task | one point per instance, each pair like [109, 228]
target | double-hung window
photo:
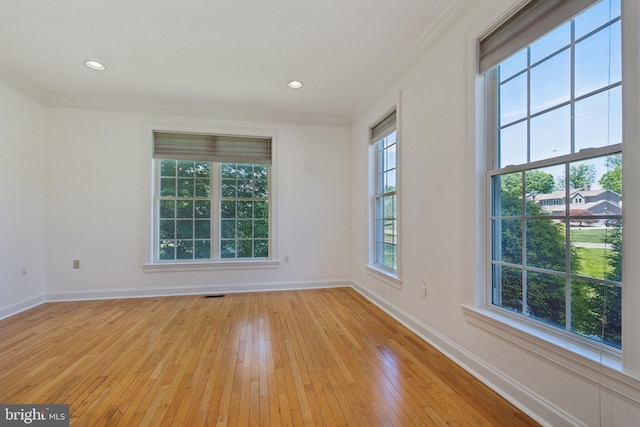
[385, 199]
[555, 167]
[212, 198]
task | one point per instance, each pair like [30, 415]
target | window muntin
[558, 142]
[385, 203]
[187, 226]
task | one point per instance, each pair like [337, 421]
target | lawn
[588, 235]
[592, 262]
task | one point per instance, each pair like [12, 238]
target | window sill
[384, 276]
[207, 266]
[600, 365]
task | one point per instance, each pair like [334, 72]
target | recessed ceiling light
[295, 84]
[95, 65]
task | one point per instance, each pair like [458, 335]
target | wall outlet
[76, 263]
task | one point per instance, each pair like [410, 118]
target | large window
[207, 206]
[385, 201]
[555, 178]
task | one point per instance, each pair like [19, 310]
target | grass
[592, 262]
[595, 235]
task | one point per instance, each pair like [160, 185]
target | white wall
[98, 205]
[439, 219]
[22, 200]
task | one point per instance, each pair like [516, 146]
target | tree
[545, 249]
[580, 176]
[612, 180]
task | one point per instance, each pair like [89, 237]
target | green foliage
[580, 175]
[546, 249]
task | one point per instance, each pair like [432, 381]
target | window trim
[576, 354]
[373, 269]
[150, 264]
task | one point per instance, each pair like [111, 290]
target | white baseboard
[25, 304]
[538, 408]
[117, 293]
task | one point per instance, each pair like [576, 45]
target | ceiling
[213, 54]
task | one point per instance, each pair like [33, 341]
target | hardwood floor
[313, 357]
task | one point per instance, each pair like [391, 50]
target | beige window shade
[214, 148]
[384, 127]
[534, 20]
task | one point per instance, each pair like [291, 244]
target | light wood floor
[314, 357]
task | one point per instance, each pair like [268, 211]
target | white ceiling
[212, 54]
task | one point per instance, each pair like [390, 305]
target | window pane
[184, 209]
[167, 187]
[598, 120]
[261, 248]
[245, 248]
[167, 168]
[167, 229]
[589, 302]
[186, 168]
[507, 191]
[261, 209]
[541, 191]
[513, 65]
[227, 209]
[228, 228]
[184, 229]
[507, 287]
[186, 187]
[260, 189]
[245, 188]
[245, 209]
[546, 247]
[390, 256]
[227, 249]
[203, 188]
[184, 249]
[551, 134]
[260, 229]
[167, 208]
[245, 229]
[597, 251]
[599, 60]
[203, 170]
[166, 250]
[507, 244]
[546, 299]
[229, 188]
[202, 229]
[513, 145]
[596, 16]
[202, 249]
[260, 171]
[551, 82]
[513, 100]
[554, 41]
[202, 208]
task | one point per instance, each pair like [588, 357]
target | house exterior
[598, 202]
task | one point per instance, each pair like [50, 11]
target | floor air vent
[214, 296]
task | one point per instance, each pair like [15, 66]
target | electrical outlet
[76, 264]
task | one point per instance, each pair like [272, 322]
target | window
[212, 198]
[557, 129]
[385, 200]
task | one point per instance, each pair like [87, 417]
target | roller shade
[384, 127]
[534, 20]
[214, 148]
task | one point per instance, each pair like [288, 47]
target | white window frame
[383, 273]
[618, 374]
[152, 265]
